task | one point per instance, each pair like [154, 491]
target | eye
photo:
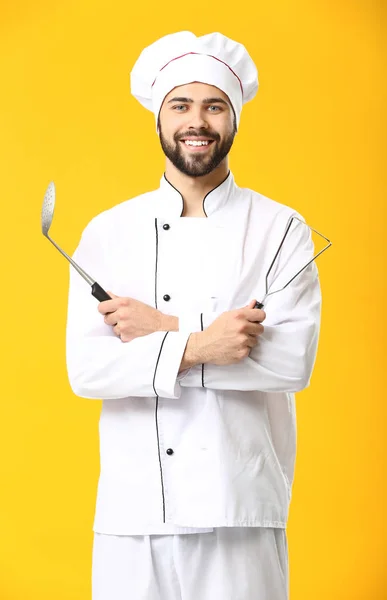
[177, 107]
[217, 108]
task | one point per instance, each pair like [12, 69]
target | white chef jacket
[213, 446]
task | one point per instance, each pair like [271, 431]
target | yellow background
[314, 138]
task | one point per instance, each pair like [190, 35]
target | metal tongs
[261, 304]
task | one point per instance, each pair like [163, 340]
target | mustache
[210, 135]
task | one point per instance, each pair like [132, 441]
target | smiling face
[197, 128]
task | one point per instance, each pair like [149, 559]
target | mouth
[196, 144]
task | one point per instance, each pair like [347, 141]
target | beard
[195, 165]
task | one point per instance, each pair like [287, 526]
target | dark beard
[196, 165]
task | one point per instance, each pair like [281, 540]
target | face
[197, 128]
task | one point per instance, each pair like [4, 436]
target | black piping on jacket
[201, 325]
[204, 199]
[162, 343]
[154, 378]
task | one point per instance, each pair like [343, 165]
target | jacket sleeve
[283, 360]
[99, 365]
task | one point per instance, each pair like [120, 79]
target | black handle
[99, 292]
[258, 305]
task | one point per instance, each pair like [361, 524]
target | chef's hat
[180, 58]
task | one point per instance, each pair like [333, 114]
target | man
[197, 429]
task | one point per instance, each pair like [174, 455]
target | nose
[197, 119]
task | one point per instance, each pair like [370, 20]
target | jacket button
[169, 451]
[167, 297]
[166, 226]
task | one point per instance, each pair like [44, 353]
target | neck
[194, 189]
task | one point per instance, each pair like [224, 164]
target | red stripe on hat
[202, 54]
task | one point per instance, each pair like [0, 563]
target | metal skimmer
[47, 216]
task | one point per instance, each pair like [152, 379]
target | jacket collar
[170, 202]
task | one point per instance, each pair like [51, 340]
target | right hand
[230, 338]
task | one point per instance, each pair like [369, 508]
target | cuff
[166, 379]
[190, 322]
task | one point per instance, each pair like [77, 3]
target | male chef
[198, 424]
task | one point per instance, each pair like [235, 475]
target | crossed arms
[161, 361]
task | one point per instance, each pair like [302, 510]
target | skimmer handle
[99, 292]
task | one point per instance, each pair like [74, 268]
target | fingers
[251, 304]
[254, 328]
[252, 341]
[109, 306]
[111, 318]
[255, 314]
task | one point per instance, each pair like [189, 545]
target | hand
[230, 338]
[130, 318]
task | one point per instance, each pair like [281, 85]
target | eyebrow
[205, 101]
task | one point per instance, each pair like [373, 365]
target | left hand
[130, 318]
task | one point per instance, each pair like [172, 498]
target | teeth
[196, 143]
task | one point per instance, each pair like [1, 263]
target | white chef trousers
[230, 563]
